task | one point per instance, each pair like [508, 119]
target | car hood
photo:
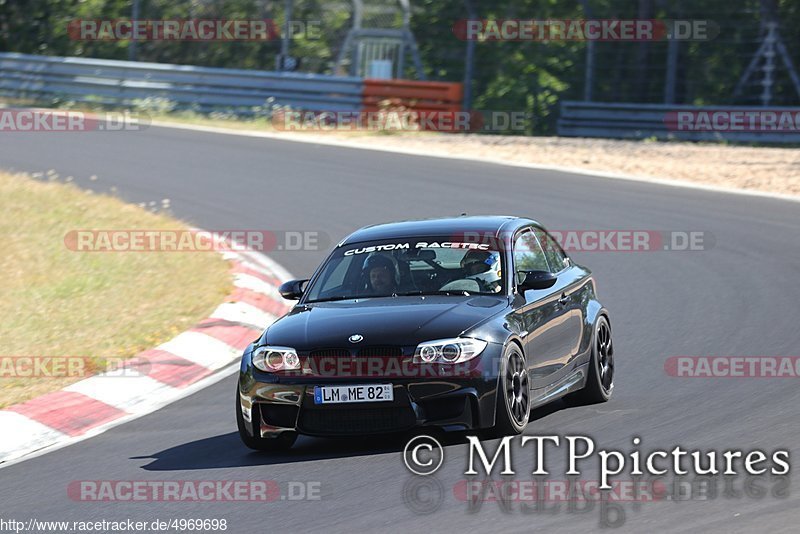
[392, 321]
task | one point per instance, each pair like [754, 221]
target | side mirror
[292, 290]
[537, 280]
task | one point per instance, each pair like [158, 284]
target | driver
[483, 267]
[382, 274]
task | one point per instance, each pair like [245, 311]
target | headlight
[273, 359]
[454, 350]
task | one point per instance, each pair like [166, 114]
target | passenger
[484, 268]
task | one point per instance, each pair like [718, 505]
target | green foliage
[530, 76]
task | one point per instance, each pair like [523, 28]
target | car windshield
[418, 266]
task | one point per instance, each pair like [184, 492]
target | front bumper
[272, 403]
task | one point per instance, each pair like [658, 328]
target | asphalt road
[739, 297]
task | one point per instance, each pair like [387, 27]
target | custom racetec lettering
[421, 244]
[448, 244]
[377, 248]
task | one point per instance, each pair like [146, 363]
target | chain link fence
[752, 58]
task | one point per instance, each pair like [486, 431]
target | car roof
[494, 224]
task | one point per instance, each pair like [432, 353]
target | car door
[537, 314]
[570, 288]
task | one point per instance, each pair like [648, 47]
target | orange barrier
[411, 94]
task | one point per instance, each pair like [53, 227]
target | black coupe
[462, 323]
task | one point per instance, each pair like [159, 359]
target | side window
[552, 250]
[528, 255]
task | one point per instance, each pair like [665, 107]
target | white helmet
[483, 267]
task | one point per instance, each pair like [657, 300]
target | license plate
[343, 394]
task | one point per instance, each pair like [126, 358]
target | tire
[283, 442]
[600, 380]
[513, 404]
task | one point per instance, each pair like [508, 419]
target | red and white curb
[191, 361]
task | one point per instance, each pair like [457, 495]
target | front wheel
[514, 395]
[600, 380]
[283, 442]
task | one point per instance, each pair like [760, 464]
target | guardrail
[642, 121]
[202, 88]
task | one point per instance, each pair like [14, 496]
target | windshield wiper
[451, 292]
[331, 299]
[352, 297]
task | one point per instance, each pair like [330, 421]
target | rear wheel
[600, 380]
[283, 442]
[514, 395]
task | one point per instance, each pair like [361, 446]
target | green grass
[96, 305]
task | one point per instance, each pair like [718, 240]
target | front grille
[357, 420]
[380, 352]
[330, 353]
[364, 352]
[345, 363]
